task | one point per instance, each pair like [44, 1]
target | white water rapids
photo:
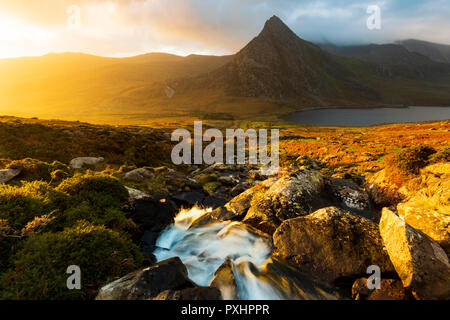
[204, 248]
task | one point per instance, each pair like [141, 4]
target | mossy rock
[211, 187]
[204, 178]
[94, 198]
[32, 169]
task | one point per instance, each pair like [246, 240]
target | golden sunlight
[19, 38]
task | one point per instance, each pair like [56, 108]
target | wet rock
[225, 281]
[147, 283]
[191, 183]
[293, 195]
[352, 197]
[135, 194]
[154, 213]
[237, 190]
[8, 174]
[390, 289]
[149, 258]
[149, 238]
[331, 244]
[191, 294]
[420, 262]
[188, 199]
[214, 202]
[139, 175]
[79, 163]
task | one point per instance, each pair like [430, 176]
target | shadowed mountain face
[394, 60]
[277, 64]
[434, 51]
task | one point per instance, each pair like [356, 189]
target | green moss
[19, 205]
[89, 187]
[211, 187]
[32, 169]
[204, 178]
[94, 198]
[40, 267]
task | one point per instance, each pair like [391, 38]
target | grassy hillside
[80, 86]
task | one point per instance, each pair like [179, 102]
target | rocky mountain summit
[278, 64]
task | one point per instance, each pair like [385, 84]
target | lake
[368, 117]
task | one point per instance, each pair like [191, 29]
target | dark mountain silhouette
[394, 60]
[279, 65]
[434, 51]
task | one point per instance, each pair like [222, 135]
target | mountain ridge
[277, 72]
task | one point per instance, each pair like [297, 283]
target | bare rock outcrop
[420, 262]
[331, 244]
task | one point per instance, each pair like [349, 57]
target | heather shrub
[94, 198]
[33, 169]
[442, 155]
[39, 268]
[413, 159]
[20, 205]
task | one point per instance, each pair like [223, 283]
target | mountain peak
[275, 25]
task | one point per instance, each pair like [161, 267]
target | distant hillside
[76, 84]
[275, 73]
[434, 51]
[278, 68]
[394, 60]
[278, 65]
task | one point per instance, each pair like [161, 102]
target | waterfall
[203, 248]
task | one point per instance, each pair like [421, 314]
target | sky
[119, 28]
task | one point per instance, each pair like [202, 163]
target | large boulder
[225, 281]
[352, 197]
[188, 199]
[79, 163]
[139, 175]
[8, 174]
[430, 221]
[153, 213]
[331, 244]
[427, 207]
[239, 205]
[148, 283]
[390, 289]
[293, 195]
[420, 262]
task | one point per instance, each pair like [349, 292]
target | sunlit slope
[73, 83]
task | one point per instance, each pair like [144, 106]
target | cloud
[127, 27]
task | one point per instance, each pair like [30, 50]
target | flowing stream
[203, 248]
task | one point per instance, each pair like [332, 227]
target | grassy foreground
[51, 214]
